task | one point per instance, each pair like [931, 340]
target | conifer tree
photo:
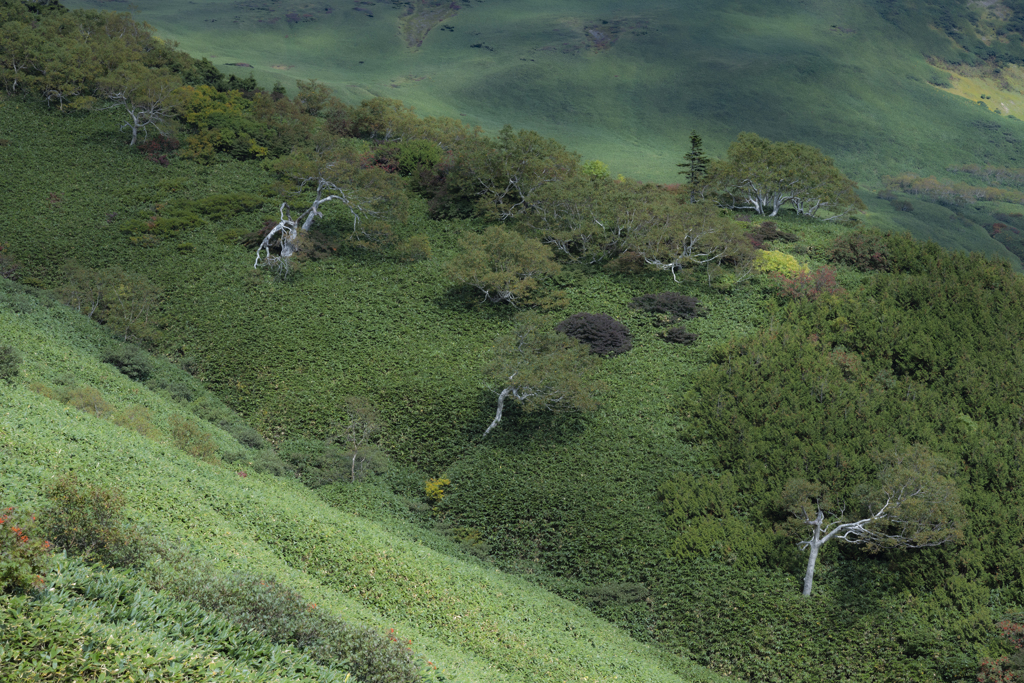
[695, 166]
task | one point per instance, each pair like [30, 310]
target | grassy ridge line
[482, 624]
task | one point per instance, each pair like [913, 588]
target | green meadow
[833, 74]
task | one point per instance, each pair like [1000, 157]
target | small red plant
[156, 150]
[1001, 669]
[24, 558]
[993, 671]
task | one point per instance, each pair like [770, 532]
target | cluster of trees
[764, 177]
[78, 60]
[366, 157]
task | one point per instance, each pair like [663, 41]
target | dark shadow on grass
[461, 298]
[519, 428]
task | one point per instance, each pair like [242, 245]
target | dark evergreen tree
[695, 166]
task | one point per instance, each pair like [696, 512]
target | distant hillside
[626, 84]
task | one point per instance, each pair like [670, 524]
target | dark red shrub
[862, 250]
[603, 333]
[808, 285]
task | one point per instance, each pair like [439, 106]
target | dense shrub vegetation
[677, 306]
[652, 487]
[602, 333]
[285, 617]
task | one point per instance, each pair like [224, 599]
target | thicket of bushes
[917, 345]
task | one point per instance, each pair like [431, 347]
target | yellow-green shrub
[435, 488]
[777, 262]
[190, 437]
[137, 418]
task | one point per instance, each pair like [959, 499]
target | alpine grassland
[304, 387]
[462, 619]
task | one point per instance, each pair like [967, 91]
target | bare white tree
[286, 234]
[914, 505]
[335, 173]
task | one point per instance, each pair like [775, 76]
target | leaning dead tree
[331, 171]
[287, 234]
[913, 505]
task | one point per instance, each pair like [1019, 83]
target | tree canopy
[764, 176]
[911, 503]
[505, 266]
[540, 369]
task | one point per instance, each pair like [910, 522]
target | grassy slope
[471, 620]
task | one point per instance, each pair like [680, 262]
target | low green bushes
[285, 617]
[10, 363]
[94, 625]
[89, 520]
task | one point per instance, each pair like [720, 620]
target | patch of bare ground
[600, 35]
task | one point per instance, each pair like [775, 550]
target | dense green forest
[301, 389]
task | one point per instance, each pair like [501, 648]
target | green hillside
[837, 75]
[361, 561]
[303, 427]
[627, 85]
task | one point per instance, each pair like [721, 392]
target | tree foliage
[124, 301]
[695, 165]
[331, 171]
[540, 369]
[359, 436]
[689, 235]
[764, 176]
[64, 56]
[912, 503]
[148, 98]
[502, 264]
[509, 171]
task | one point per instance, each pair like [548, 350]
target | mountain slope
[474, 622]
